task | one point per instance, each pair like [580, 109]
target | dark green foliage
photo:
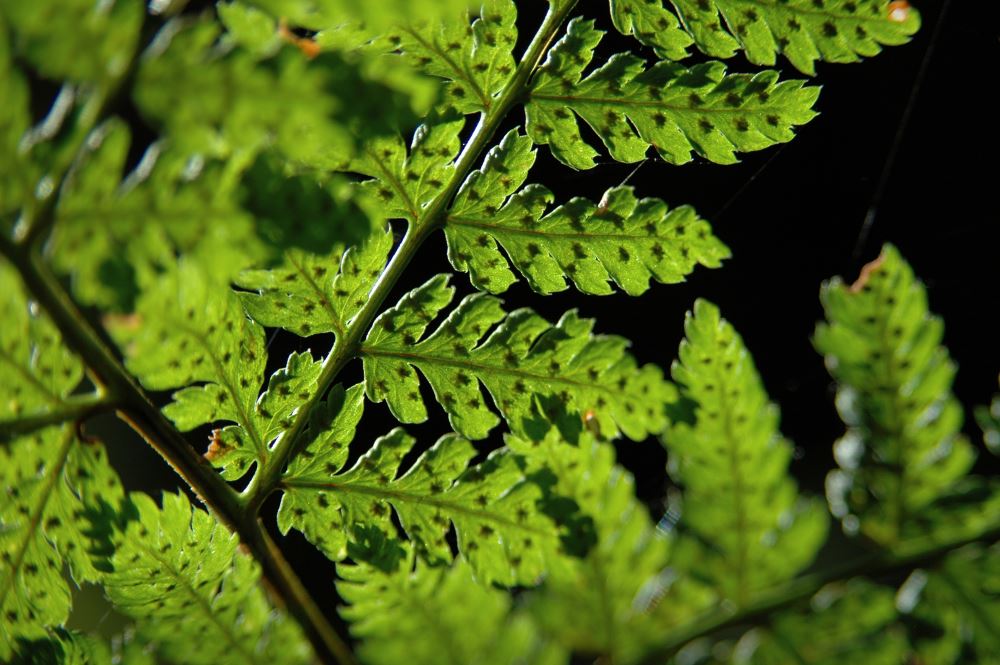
[206, 177]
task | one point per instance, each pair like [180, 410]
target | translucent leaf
[622, 239]
[37, 372]
[500, 531]
[424, 615]
[312, 293]
[524, 355]
[989, 420]
[179, 572]
[192, 330]
[62, 647]
[116, 232]
[476, 62]
[903, 448]
[653, 25]
[319, 14]
[77, 40]
[674, 109]
[16, 177]
[223, 102]
[804, 31]
[956, 608]
[405, 182]
[58, 497]
[847, 623]
[600, 603]
[748, 527]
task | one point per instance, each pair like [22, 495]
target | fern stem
[144, 417]
[905, 557]
[348, 345]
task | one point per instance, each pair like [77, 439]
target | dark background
[793, 217]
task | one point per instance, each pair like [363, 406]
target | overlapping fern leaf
[500, 531]
[515, 356]
[180, 572]
[747, 527]
[904, 448]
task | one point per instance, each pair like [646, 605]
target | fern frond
[322, 14]
[846, 623]
[653, 25]
[751, 529]
[191, 330]
[904, 448]
[601, 603]
[58, 497]
[674, 109]
[804, 31]
[500, 531]
[171, 203]
[623, 239]
[425, 615]
[475, 61]
[311, 293]
[38, 372]
[523, 356]
[73, 40]
[179, 573]
[405, 182]
[955, 619]
[17, 174]
[63, 647]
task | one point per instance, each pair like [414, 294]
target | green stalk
[347, 346]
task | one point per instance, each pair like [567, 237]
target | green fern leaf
[749, 528]
[404, 183]
[179, 572]
[524, 356]
[847, 623]
[674, 109]
[601, 603]
[419, 614]
[653, 25]
[171, 203]
[623, 239]
[191, 330]
[904, 448]
[316, 293]
[75, 40]
[17, 175]
[802, 30]
[500, 531]
[57, 499]
[954, 619]
[321, 14]
[63, 647]
[476, 63]
[38, 373]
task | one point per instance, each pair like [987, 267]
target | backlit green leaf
[653, 25]
[804, 31]
[748, 528]
[674, 109]
[622, 239]
[515, 356]
[904, 447]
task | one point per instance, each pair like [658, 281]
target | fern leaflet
[500, 531]
[179, 571]
[653, 25]
[802, 30]
[904, 448]
[750, 529]
[623, 239]
[669, 107]
[524, 356]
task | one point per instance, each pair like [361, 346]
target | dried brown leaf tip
[899, 11]
[866, 273]
[216, 447]
[307, 45]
